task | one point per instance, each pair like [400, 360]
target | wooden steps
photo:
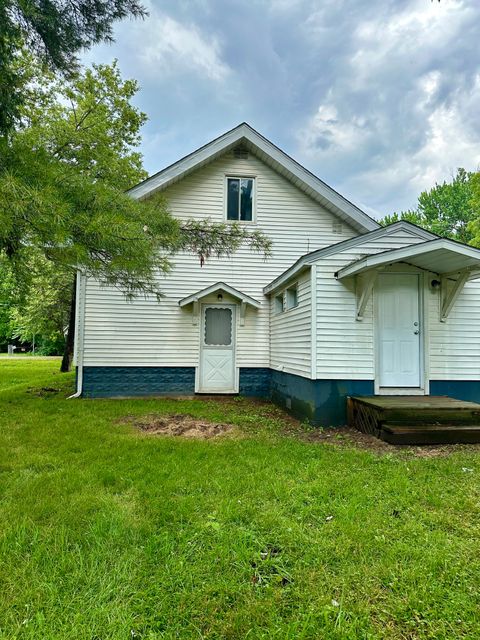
[416, 419]
[430, 434]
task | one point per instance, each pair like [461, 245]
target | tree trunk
[70, 339]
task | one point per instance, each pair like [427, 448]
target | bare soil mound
[184, 426]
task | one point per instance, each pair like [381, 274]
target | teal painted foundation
[115, 382]
[322, 402]
[461, 389]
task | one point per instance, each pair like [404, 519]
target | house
[343, 307]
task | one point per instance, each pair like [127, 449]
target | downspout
[79, 333]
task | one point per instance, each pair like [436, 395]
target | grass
[106, 533]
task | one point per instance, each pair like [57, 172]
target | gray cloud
[380, 99]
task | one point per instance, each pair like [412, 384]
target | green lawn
[109, 533]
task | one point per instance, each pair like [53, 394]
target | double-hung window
[240, 193]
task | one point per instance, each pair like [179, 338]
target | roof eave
[410, 253]
[310, 258]
[219, 286]
[303, 178]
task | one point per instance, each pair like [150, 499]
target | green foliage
[7, 292]
[110, 533]
[75, 221]
[87, 122]
[208, 240]
[446, 209]
[50, 346]
[42, 312]
[61, 187]
[34, 304]
[474, 225]
[55, 32]
[63, 173]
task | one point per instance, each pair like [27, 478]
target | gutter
[79, 332]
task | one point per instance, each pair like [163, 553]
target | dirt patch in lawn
[348, 437]
[180, 425]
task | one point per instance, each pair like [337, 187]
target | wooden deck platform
[415, 419]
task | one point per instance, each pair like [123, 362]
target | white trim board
[220, 286]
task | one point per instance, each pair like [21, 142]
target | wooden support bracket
[363, 296]
[243, 309]
[195, 312]
[448, 298]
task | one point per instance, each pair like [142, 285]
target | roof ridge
[303, 178]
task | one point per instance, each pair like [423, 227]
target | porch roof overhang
[441, 256]
[220, 287]
[453, 262]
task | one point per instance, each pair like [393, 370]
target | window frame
[288, 306]
[279, 297]
[229, 176]
[283, 297]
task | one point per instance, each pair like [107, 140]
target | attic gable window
[240, 199]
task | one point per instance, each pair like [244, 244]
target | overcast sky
[379, 98]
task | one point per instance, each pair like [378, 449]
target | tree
[446, 209]
[474, 225]
[7, 292]
[55, 31]
[40, 312]
[64, 169]
[89, 124]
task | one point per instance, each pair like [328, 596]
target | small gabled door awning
[454, 262]
[217, 288]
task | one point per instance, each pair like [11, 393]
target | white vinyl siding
[345, 347]
[455, 344]
[290, 336]
[148, 333]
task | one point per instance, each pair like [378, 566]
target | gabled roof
[440, 256]
[245, 136]
[219, 287]
[309, 258]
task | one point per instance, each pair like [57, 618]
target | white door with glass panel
[398, 320]
[217, 349]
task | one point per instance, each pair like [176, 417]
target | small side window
[292, 297]
[278, 304]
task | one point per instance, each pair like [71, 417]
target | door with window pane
[217, 349]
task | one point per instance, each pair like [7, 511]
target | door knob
[416, 332]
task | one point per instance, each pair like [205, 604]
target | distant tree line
[450, 209]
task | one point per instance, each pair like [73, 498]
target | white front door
[398, 318]
[217, 349]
